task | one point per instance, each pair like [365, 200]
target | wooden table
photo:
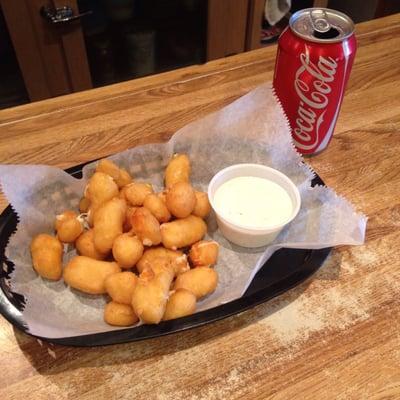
[337, 336]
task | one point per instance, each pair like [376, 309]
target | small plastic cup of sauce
[253, 203]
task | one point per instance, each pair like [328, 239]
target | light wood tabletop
[336, 336]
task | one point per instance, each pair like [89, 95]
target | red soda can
[313, 64]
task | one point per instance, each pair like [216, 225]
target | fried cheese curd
[144, 249]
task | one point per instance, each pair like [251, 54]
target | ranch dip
[253, 202]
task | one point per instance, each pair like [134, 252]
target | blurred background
[52, 47]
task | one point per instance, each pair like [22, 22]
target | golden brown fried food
[124, 178]
[181, 199]
[107, 223]
[108, 167]
[46, 251]
[68, 226]
[182, 232]
[122, 193]
[88, 275]
[151, 294]
[204, 253]
[163, 196]
[119, 314]
[100, 188]
[157, 207]
[178, 170]
[121, 176]
[127, 227]
[127, 250]
[146, 227]
[181, 303]
[85, 246]
[61, 218]
[200, 281]
[120, 286]
[84, 205]
[203, 206]
[136, 192]
[125, 216]
[174, 257]
[160, 263]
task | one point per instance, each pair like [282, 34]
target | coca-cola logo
[312, 85]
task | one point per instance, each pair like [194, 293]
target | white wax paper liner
[251, 129]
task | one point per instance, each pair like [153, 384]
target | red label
[309, 81]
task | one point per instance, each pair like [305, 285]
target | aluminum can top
[321, 25]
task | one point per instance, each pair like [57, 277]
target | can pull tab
[322, 28]
[319, 21]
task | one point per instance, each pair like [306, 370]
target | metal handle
[60, 15]
[319, 20]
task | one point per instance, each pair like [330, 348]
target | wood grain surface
[337, 336]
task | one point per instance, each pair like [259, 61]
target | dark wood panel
[23, 36]
[386, 7]
[235, 28]
[51, 51]
[215, 41]
[255, 18]
[226, 32]
[52, 59]
[75, 51]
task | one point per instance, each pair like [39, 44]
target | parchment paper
[251, 129]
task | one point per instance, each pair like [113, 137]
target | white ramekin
[243, 235]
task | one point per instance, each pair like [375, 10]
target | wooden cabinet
[52, 59]
[227, 25]
[117, 40]
[255, 17]
[60, 58]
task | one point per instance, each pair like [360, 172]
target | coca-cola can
[313, 64]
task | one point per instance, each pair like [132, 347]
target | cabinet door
[128, 39]
[52, 57]
[256, 15]
[74, 50]
[226, 32]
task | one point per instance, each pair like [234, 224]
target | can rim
[296, 15]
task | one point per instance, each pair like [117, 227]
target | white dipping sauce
[253, 202]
